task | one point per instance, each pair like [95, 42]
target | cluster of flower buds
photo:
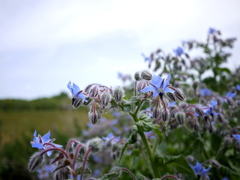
[66, 159]
[155, 87]
[97, 97]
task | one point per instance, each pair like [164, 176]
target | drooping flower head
[211, 106]
[158, 86]
[199, 170]
[75, 90]
[179, 51]
[44, 142]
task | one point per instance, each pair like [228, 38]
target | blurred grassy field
[16, 124]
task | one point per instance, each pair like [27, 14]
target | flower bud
[195, 85]
[199, 110]
[94, 116]
[114, 147]
[210, 129]
[171, 96]
[228, 141]
[215, 163]
[238, 147]
[173, 124]
[141, 85]
[82, 151]
[219, 101]
[113, 155]
[95, 144]
[156, 111]
[183, 105]
[238, 103]
[196, 126]
[76, 102]
[35, 161]
[165, 115]
[179, 94]
[173, 111]
[62, 173]
[94, 91]
[190, 159]
[220, 117]
[118, 94]
[137, 76]
[105, 99]
[87, 89]
[180, 117]
[230, 101]
[146, 75]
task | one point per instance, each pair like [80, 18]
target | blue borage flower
[179, 51]
[199, 170]
[171, 104]
[205, 92]
[237, 137]
[238, 87]
[111, 137]
[211, 30]
[44, 172]
[43, 142]
[209, 110]
[158, 86]
[231, 95]
[75, 90]
[149, 134]
[146, 58]
[225, 178]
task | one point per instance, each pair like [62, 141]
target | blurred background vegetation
[19, 119]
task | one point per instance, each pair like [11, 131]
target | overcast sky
[44, 44]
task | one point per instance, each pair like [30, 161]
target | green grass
[15, 124]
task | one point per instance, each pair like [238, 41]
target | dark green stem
[145, 142]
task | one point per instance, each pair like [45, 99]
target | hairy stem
[145, 142]
[84, 162]
[76, 154]
[168, 176]
[129, 172]
[69, 144]
[55, 149]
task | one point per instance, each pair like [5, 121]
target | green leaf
[144, 117]
[157, 131]
[131, 140]
[157, 65]
[146, 126]
[179, 162]
[86, 171]
[198, 146]
[136, 152]
[228, 171]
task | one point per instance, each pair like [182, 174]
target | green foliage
[60, 101]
